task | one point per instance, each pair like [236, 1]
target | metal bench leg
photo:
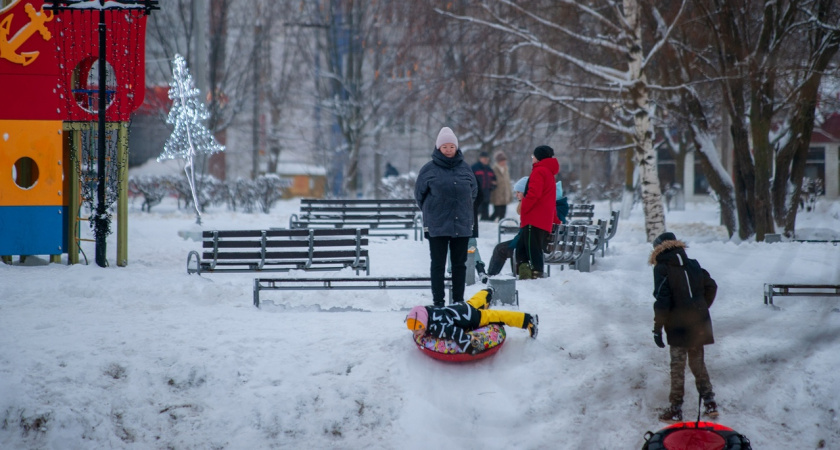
[257, 293]
[583, 263]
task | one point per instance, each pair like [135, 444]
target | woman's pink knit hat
[446, 136]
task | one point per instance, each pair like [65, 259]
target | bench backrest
[373, 214]
[597, 233]
[358, 202]
[405, 208]
[566, 245]
[261, 247]
[582, 213]
[508, 225]
[612, 226]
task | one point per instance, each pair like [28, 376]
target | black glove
[657, 337]
[490, 292]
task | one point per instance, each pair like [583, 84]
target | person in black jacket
[486, 183]
[445, 191]
[684, 291]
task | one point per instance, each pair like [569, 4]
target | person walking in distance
[486, 182]
[684, 292]
[501, 196]
[445, 191]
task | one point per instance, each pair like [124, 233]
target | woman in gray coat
[445, 191]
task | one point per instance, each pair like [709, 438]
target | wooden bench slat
[257, 256]
[243, 244]
[359, 209]
[284, 244]
[348, 220]
[376, 215]
[282, 249]
[277, 232]
[301, 284]
[357, 201]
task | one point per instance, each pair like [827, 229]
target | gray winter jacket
[445, 192]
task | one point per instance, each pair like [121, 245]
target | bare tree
[284, 73]
[199, 30]
[768, 59]
[454, 73]
[348, 82]
[691, 109]
[593, 63]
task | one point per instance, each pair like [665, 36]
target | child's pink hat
[417, 318]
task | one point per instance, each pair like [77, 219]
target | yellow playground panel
[31, 163]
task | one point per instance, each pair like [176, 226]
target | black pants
[484, 210]
[530, 247]
[501, 252]
[438, 247]
[499, 212]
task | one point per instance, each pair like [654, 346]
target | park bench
[799, 290]
[612, 228]
[391, 217]
[596, 238]
[565, 246]
[281, 251]
[568, 246]
[567, 243]
[365, 283]
[508, 226]
[601, 234]
[833, 242]
[580, 214]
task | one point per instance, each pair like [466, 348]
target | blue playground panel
[33, 230]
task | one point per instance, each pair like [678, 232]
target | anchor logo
[9, 47]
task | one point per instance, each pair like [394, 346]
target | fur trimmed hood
[667, 245]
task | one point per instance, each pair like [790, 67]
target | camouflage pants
[698, 369]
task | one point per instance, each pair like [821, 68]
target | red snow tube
[492, 337]
[696, 436]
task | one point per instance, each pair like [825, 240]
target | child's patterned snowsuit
[455, 322]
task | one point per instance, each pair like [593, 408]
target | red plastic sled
[696, 436]
[492, 336]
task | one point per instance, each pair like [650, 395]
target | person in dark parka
[445, 191]
[486, 183]
[684, 292]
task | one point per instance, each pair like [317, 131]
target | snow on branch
[606, 73]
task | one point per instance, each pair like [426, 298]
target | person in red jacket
[538, 213]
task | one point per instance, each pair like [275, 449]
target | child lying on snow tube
[458, 322]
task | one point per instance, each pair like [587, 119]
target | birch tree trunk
[643, 129]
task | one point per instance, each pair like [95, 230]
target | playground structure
[62, 143]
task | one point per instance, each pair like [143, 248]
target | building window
[815, 165]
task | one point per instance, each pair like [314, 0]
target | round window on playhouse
[25, 172]
[85, 83]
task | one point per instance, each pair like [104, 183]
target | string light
[75, 47]
[190, 137]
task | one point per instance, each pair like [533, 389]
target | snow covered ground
[147, 356]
